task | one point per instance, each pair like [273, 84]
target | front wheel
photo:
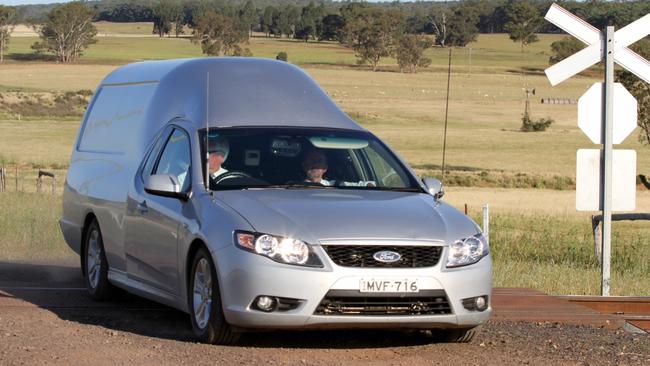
[95, 264]
[206, 312]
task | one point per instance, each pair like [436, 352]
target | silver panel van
[235, 190]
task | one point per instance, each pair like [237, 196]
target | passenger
[218, 153]
[314, 165]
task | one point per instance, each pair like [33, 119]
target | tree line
[401, 30]
[488, 16]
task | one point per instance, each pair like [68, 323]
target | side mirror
[434, 187]
[165, 185]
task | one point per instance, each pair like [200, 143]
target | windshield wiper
[392, 189]
[296, 185]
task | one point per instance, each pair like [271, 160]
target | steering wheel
[230, 175]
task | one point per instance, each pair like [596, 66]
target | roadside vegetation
[552, 252]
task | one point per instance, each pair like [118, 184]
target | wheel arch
[191, 252]
[90, 217]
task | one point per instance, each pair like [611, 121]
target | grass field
[538, 239]
[552, 252]
[405, 109]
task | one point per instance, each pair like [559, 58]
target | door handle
[142, 207]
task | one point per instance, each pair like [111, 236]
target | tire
[204, 299]
[95, 264]
[459, 335]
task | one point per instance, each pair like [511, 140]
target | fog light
[480, 303]
[265, 303]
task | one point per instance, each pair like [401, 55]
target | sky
[25, 2]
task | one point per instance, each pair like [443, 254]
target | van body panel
[148, 238]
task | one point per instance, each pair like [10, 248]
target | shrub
[529, 125]
[282, 56]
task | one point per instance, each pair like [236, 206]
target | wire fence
[17, 178]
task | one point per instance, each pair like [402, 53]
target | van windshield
[242, 158]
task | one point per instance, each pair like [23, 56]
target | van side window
[175, 159]
[155, 152]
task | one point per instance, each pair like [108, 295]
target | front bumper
[244, 276]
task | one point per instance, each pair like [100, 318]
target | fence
[3, 180]
[15, 180]
[559, 101]
[596, 223]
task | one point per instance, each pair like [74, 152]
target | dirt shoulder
[31, 335]
[45, 318]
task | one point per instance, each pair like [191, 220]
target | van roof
[243, 91]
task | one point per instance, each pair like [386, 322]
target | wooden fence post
[39, 180]
[2, 178]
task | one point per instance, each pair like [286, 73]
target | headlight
[467, 251]
[280, 249]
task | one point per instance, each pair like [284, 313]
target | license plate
[388, 285]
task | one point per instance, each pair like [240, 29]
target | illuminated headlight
[280, 249]
[467, 251]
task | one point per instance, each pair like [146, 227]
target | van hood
[313, 215]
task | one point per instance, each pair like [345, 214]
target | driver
[218, 149]
[314, 165]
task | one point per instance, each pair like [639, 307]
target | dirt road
[45, 318]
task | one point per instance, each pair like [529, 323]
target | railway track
[635, 310]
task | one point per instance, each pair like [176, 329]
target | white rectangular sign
[588, 183]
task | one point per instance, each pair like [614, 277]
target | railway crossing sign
[595, 169]
[623, 180]
[594, 53]
[589, 113]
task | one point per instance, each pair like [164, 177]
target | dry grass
[527, 201]
[29, 228]
[538, 238]
[408, 112]
[44, 144]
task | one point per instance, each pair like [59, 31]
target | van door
[153, 221]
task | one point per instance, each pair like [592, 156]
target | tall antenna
[207, 132]
[444, 143]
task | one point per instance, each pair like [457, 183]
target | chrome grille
[353, 302]
[362, 255]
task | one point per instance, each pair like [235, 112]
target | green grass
[555, 253]
[489, 53]
[29, 228]
[135, 28]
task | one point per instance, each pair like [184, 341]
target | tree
[640, 90]
[564, 48]
[439, 24]
[462, 25]
[248, 16]
[7, 18]
[371, 34]
[219, 35]
[66, 31]
[266, 22]
[177, 16]
[522, 21]
[311, 21]
[410, 51]
[332, 28]
[163, 13]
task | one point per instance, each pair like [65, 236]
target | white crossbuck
[594, 52]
